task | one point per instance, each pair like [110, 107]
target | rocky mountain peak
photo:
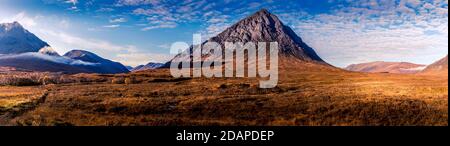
[264, 26]
[10, 26]
[15, 39]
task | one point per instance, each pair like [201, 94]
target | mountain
[438, 67]
[129, 67]
[263, 26]
[103, 65]
[22, 50]
[15, 39]
[34, 61]
[151, 65]
[86, 62]
[386, 67]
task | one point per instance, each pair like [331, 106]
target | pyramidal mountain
[263, 26]
[15, 39]
[266, 27]
[22, 50]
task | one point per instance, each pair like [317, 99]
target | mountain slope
[263, 26]
[33, 61]
[70, 63]
[104, 65]
[151, 65]
[266, 27]
[438, 67]
[387, 67]
[14, 39]
[23, 50]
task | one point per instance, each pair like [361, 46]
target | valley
[302, 98]
[38, 87]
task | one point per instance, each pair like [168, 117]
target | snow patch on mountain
[48, 51]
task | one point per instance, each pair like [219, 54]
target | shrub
[18, 81]
[65, 79]
[131, 80]
[118, 80]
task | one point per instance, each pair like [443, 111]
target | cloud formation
[341, 31]
[371, 30]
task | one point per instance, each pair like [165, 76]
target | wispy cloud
[22, 18]
[105, 10]
[140, 58]
[169, 14]
[126, 54]
[112, 26]
[73, 2]
[372, 31]
[74, 5]
[160, 25]
[341, 31]
[136, 2]
[118, 20]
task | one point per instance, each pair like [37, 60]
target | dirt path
[6, 116]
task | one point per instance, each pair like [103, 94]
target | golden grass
[14, 97]
[306, 95]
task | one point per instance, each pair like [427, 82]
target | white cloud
[118, 20]
[126, 54]
[63, 41]
[170, 15]
[64, 23]
[73, 8]
[254, 5]
[112, 26]
[164, 46]
[22, 18]
[74, 2]
[136, 2]
[105, 10]
[139, 58]
[353, 35]
[159, 24]
[83, 42]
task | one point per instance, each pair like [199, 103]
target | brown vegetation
[306, 95]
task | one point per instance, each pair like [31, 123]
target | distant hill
[438, 67]
[151, 65]
[129, 67]
[386, 67]
[103, 65]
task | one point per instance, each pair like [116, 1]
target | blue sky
[135, 32]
